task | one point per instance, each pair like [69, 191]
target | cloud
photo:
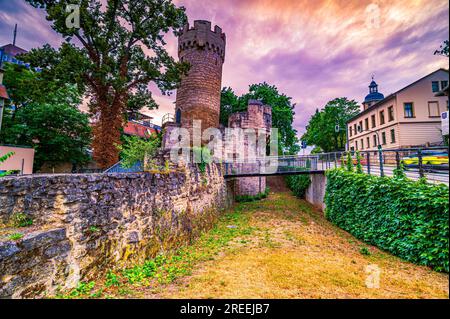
[312, 51]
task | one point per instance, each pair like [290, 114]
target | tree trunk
[107, 133]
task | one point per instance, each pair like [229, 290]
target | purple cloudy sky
[312, 50]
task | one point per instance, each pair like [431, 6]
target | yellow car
[428, 158]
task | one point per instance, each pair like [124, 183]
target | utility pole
[3, 92]
[15, 35]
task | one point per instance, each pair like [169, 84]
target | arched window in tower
[178, 116]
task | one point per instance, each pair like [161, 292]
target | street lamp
[380, 149]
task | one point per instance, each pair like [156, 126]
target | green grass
[94, 229]
[21, 220]
[16, 236]
[166, 268]
[364, 251]
[252, 198]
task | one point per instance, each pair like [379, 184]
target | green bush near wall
[298, 184]
[407, 218]
[252, 198]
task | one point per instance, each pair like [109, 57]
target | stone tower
[257, 116]
[198, 97]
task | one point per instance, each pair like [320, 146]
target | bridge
[431, 163]
[277, 165]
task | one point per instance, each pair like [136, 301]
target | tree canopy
[320, 130]
[282, 111]
[115, 53]
[54, 127]
[443, 49]
[136, 149]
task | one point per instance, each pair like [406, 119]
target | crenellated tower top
[201, 36]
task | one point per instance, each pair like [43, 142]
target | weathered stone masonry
[257, 116]
[198, 97]
[84, 225]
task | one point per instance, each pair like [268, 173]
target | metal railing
[431, 163]
[167, 118]
[118, 168]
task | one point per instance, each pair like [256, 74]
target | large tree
[321, 131]
[443, 49]
[282, 111]
[115, 53]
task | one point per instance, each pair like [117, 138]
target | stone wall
[86, 224]
[257, 116]
[316, 191]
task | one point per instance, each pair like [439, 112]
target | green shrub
[3, 158]
[252, 198]
[298, 184]
[359, 168]
[349, 162]
[16, 236]
[21, 220]
[136, 149]
[399, 172]
[202, 155]
[404, 217]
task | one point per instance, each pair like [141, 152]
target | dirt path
[279, 247]
[295, 252]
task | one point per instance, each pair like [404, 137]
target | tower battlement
[257, 115]
[201, 36]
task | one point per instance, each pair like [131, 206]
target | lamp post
[380, 149]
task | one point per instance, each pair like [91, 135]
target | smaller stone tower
[198, 97]
[257, 116]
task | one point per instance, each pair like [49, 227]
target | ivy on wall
[407, 218]
[298, 184]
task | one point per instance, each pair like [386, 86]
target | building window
[375, 141]
[178, 116]
[381, 117]
[366, 123]
[352, 148]
[354, 129]
[356, 145]
[409, 110]
[383, 138]
[444, 84]
[373, 121]
[360, 126]
[433, 109]
[435, 86]
[362, 144]
[350, 131]
[392, 136]
[390, 113]
[368, 142]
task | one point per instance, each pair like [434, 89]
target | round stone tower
[198, 97]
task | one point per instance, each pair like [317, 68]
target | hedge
[407, 218]
[298, 184]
